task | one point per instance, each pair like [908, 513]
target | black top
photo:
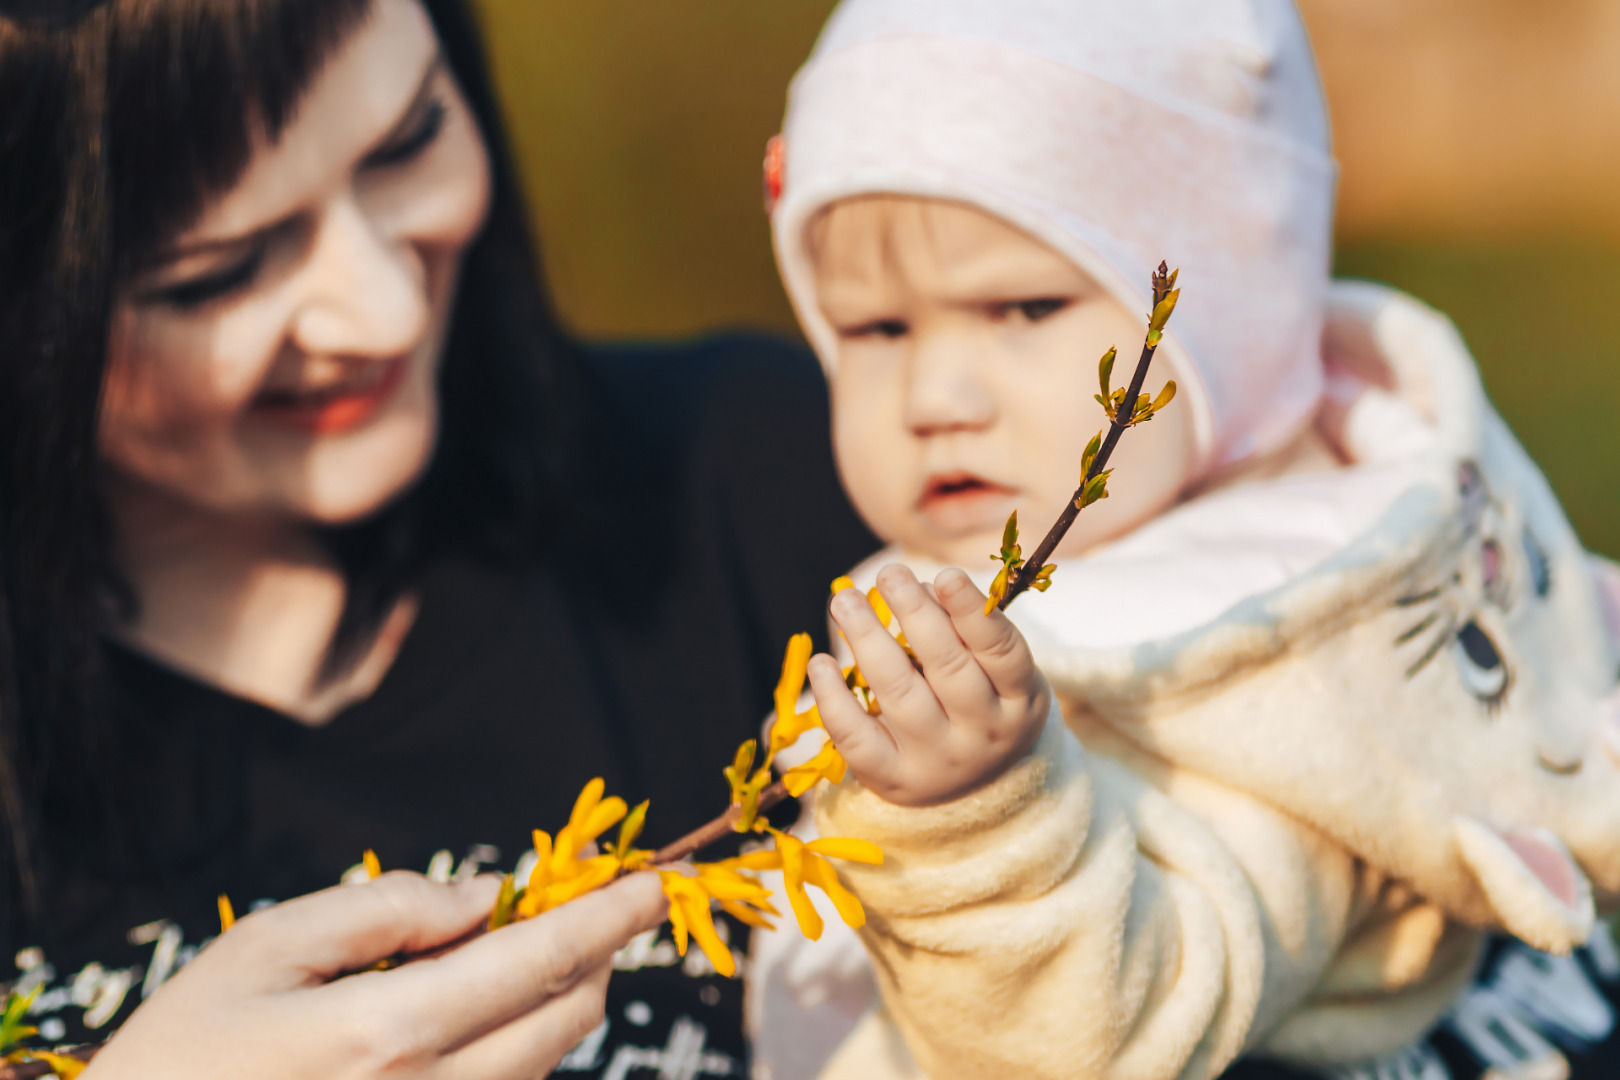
[645, 657]
[1527, 1016]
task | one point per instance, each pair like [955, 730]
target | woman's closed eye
[407, 145]
[194, 292]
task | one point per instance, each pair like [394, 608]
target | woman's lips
[958, 502]
[333, 409]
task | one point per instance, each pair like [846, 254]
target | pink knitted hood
[1119, 132]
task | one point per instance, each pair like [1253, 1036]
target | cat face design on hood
[1440, 696]
[1542, 832]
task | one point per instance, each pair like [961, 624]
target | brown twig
[704, 835]
[1118, 421]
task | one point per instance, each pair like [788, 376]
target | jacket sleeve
[1072, 919]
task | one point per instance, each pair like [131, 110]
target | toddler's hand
[977, 705]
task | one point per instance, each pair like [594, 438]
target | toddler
[1330, 675]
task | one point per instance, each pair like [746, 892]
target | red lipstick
[341, 407]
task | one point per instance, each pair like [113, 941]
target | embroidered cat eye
[1479, 664]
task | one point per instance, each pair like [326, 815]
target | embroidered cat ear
[1607, 575]
[1531, 883]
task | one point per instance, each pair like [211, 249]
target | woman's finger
[995, 641]
[952, 670]
[884, 664]
[515, 970]
[865, 744]
[351, 927]
[533, 1044]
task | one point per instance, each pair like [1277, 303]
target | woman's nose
[947, 389]
[365, 295]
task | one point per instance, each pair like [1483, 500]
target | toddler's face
[966, 369]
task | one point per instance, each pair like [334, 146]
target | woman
[316, 534]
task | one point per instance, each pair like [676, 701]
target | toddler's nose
[946, 391]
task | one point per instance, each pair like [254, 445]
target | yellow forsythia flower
[592, 816]
[555, 881]
[559, 874]
[790, 724]
[803, 864]
[737, 893]
[689, 914]
[373, 865]
[63, 1066]
[828, 764]
[791, 684]
[227, 914]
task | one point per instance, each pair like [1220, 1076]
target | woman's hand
[260, 1001]
[976, 706]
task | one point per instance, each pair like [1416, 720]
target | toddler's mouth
[959, 502]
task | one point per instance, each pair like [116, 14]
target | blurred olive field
[1478, 142]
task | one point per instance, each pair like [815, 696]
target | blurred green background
[1478, 141]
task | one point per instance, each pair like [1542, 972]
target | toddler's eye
[1479, 663]
[1032, 310]
[879, 328]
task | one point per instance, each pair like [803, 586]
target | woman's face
[280, 357]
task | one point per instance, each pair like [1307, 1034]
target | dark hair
[118, 123]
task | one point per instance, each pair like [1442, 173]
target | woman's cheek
[177, 385]
[443, 203]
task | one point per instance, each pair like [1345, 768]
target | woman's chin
[353, 479]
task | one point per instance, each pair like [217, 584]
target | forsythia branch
[1126, 408]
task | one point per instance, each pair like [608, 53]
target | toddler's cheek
[877, 489]
[875, 458]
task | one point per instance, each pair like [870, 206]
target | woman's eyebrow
[208, 245]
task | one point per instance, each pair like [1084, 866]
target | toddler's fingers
[883, 662]
[995, 641]
[866, 745]
[948, 664]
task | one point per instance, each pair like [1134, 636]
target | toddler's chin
[927, 555]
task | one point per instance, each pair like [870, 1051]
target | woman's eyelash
[198, 291]
[413, 142]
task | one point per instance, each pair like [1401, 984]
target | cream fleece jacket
[1282, 830]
